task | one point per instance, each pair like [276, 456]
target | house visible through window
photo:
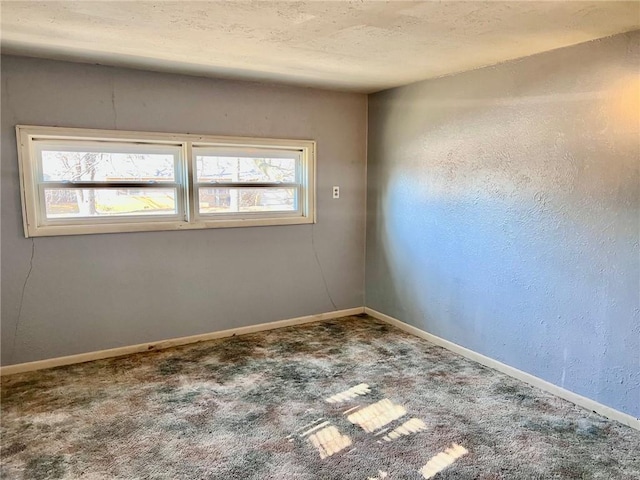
[78, 181]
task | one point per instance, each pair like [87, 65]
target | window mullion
[187, 181]
[246, 185]
[109, 185]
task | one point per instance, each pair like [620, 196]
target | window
[77, 181]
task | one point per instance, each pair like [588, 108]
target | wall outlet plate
[336, 192]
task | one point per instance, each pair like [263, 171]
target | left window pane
[98, 166]
[70, 203]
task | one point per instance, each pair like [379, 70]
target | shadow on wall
[510, 226]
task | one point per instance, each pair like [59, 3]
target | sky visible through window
[95, 166]
[245, 169]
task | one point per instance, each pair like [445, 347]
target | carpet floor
[346, 399]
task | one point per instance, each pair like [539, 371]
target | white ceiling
[362, 46]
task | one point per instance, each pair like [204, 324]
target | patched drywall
[67, 295]
[504, 214]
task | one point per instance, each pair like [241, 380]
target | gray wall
[503, 214]
[94, 292]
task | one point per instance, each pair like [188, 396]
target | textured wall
[503, 214]
[93, 292]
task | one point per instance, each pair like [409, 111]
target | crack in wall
[324, 280]
[113, 104]
[24, 288]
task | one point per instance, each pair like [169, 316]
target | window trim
[210, 150]
[34, 226]
[177, 183]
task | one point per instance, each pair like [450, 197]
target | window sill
[59, 230]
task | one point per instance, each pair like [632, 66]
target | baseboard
[172, 342]
[575, 398]
[579, 400]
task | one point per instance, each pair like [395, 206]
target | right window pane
[247, 200]
[231, 169]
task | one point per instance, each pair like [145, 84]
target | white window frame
[31, 139]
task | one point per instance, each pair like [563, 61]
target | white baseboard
[172, 342]
[579, 400]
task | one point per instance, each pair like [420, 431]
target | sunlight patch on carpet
[329, 441]
[351, 409]
[350, 393]
[309, 427]
[378, 415]
[443, 460]
[413, 425]
[313, 429]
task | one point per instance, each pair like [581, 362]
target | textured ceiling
[362, 46]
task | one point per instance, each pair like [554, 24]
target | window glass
[231, 200]
[245, 169]
[100, 202]
[92, 166]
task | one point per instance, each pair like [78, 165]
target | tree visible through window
[251, 183]
[77, 181]
[92, 167]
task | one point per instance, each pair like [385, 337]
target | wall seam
[366, 196]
